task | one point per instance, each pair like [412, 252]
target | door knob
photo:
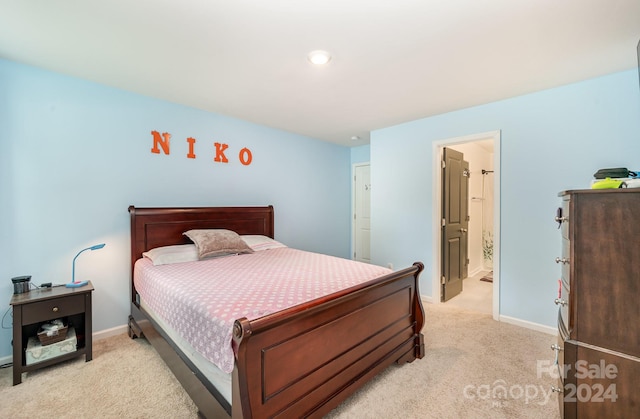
[463, 230]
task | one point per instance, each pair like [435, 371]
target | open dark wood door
[455, 222]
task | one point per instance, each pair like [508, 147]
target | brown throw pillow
[217, 242]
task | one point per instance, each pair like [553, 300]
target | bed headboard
[155, 227]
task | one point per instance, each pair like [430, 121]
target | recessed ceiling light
[355, 138]
[319, 57]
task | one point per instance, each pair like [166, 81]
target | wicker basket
[47, 337]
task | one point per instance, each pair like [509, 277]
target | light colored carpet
[470, 359]
[476, 295]
[113, 385]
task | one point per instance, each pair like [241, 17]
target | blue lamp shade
[73, 283]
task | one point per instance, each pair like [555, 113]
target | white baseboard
[426, 299]
[103, 334]
[511, 320]
[530, 325]
[107, 333]
[6, 360]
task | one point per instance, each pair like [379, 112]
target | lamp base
[76, 284]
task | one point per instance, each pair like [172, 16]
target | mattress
[220, 379]
[201, 300]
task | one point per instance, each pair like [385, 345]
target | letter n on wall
[162, 141]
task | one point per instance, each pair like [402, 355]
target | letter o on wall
[245, 156]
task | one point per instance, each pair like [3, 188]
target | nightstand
[35, 307]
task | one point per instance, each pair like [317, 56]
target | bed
[276, 372]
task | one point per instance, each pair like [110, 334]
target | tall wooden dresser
[598, 349]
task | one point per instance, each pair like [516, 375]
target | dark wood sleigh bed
[277, 372]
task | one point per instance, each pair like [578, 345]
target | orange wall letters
[162, 142]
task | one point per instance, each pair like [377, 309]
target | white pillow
[257, 242]
[172, 254]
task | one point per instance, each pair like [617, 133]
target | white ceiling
[393, 61]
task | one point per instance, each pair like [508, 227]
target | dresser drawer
[563, 311]
[563, 329]
[52, 309]
[559, 360]
[565, 264]
[563, 218]
[558, 348]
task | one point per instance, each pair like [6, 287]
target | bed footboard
[304, 361]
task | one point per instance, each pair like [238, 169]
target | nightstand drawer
[52, 309]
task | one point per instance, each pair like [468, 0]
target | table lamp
[73, 283]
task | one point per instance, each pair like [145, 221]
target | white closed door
[362, 213]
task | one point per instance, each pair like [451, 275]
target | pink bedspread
[201, 300]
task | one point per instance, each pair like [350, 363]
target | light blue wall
[74, 155]
[551, 141]
[360, 154]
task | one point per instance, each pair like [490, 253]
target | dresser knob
[55, 309]
[563, 260]
[557, 350]
[560, 301]
[557, 389]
